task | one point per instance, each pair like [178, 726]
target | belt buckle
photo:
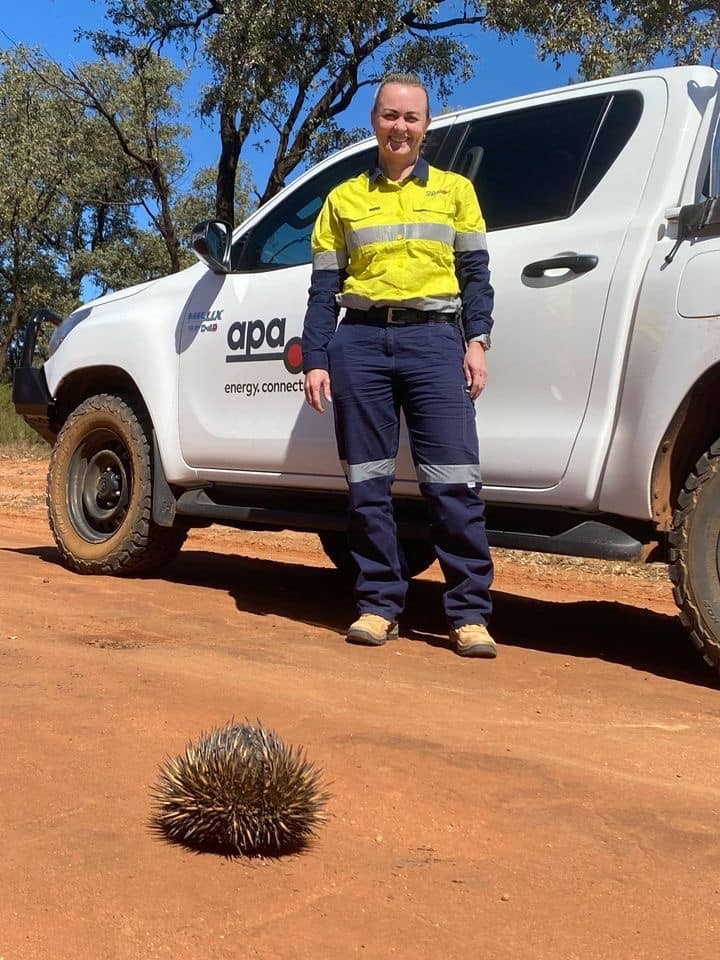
[390, 316]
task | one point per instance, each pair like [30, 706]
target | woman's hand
[317, 386]
[475, 369]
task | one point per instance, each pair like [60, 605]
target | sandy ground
[560, 802]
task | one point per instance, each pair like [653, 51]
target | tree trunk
[12, 325]
[227, 166]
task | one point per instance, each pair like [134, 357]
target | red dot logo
[293, 356]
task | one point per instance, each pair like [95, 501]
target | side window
[541, 163]
[618, 124]
[282, 237]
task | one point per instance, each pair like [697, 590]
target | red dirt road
[561, 802]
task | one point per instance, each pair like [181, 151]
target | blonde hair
[407, 80]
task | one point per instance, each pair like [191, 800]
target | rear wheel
[99, 493]
[695, 555]
[419, 554]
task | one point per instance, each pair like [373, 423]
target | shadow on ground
[602, 629]
[605, 630]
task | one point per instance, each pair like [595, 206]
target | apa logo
[258, 340]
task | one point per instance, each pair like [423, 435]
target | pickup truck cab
[179, 402]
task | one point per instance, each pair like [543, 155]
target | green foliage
[293, 66]
[93, 194]
[198, 203]
[13, 429]
[623, 35]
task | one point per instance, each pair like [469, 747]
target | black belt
[398, 316]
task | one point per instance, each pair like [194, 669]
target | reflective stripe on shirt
[330, 260]
[470, 241]
[439, 232]
[354, 301]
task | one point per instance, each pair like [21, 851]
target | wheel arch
[81, 384]
[692, 430]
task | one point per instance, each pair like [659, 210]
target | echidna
[240, 790]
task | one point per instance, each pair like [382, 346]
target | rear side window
[618, 124]
[542, 163]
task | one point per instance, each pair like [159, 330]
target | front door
[241, 382]
[241, 398]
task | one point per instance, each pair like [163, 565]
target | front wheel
[695, 555]
[419, 554]
[99, 493]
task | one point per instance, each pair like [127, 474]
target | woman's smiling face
[400, 119]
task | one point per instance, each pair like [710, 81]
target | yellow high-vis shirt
[396, 242]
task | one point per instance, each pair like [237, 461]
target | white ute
[179, 402]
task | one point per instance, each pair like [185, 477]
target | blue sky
[503, 69]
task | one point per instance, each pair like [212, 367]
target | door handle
[577, 263]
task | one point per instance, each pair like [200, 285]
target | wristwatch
[484, 340]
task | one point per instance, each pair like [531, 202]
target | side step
[513, 528]
[590, 538]
[198, 503]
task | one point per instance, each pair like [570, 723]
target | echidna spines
[240, 789]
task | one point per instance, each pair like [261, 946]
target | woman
[402, 248]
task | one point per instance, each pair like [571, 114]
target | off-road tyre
[695, 555]
[99, 492]
[419, 554]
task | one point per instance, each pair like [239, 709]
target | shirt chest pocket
[434, 219]
[434, 210]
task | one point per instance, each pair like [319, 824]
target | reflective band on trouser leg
[367, 430]
[467, 473]
[357, 472]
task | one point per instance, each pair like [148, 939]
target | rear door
[559, 183]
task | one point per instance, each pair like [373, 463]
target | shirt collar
[421, 171]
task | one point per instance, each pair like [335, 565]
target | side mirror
[211, 242]
[696, 220]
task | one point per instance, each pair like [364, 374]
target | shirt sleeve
[328, 273]
[472, 263]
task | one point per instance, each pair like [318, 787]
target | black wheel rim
[99, 485]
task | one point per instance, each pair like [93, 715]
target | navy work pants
[375, 371]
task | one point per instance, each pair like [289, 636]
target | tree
[292, 67]
[608, 36]
[134, 97]
[198, 203]
[93, 191]
[36, 129]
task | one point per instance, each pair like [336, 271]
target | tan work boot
[473, 640]
[371, 630]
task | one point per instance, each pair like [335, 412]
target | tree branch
[428, 27]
